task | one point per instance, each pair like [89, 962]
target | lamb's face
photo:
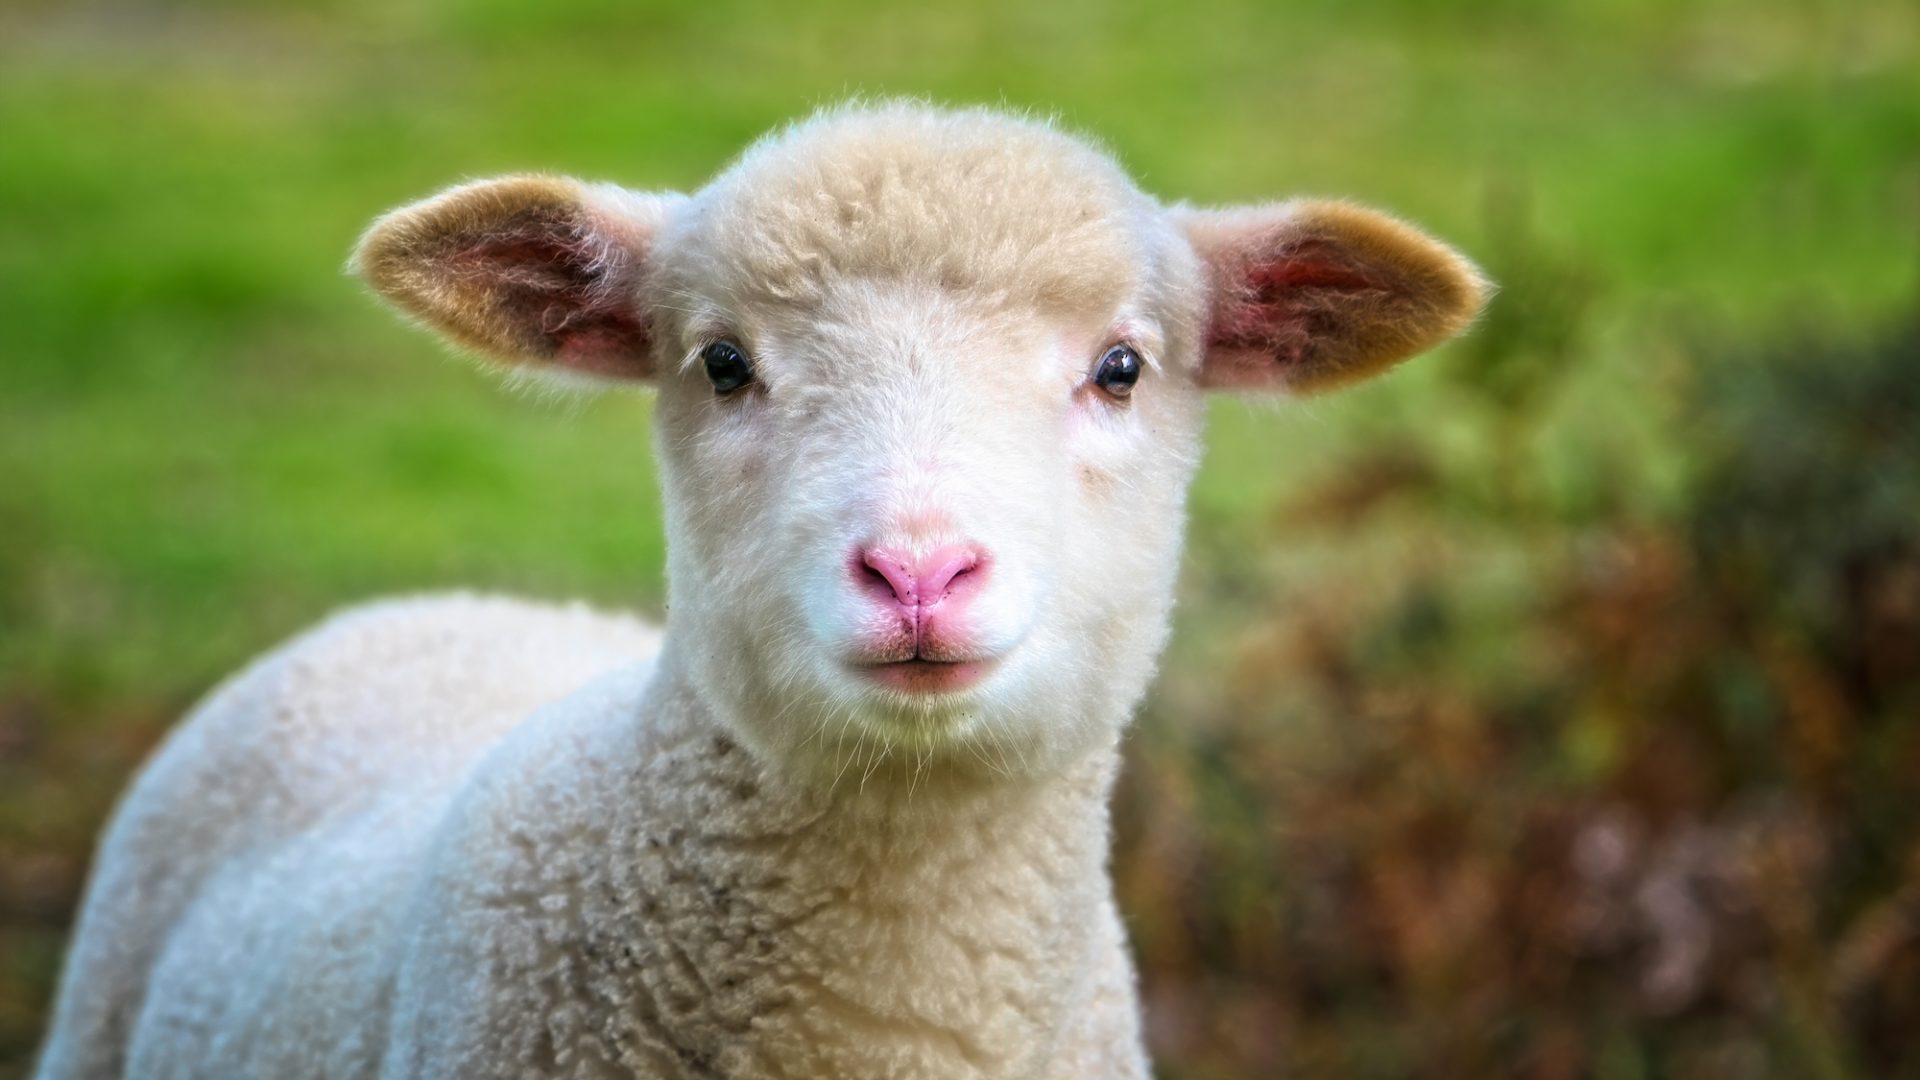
[925, 524]
[933, 508]
[930, 388]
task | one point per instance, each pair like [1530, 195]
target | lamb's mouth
[918, 675]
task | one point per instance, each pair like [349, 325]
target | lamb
[929, 395]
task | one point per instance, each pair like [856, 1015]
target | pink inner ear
[1268, 280]
[1268, 321]
[549, 282]
[613, 344]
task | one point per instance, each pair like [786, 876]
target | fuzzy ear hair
[1308, 295]
[525, 270]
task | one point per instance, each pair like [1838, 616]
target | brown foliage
[1652, 814]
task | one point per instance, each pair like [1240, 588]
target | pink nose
[918, 583]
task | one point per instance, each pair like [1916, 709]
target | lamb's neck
[951, 928]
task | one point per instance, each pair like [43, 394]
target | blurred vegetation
[1547, 709]
[1650, 813]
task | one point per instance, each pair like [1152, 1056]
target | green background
[1471, 662]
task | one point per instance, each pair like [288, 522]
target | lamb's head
[930, 391]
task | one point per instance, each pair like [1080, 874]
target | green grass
[208, 436]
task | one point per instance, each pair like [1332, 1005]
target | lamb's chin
[899, 709]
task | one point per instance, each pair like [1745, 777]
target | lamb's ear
[525, 270]
[1308, 295]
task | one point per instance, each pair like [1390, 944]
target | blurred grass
[208, 436]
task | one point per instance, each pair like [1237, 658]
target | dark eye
[727, 367]
[1119, 369]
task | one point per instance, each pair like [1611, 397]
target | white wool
[460, 837]
[363, 857]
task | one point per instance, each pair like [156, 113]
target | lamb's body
[929, 393]
[385, 847]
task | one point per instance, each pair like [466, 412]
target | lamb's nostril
[889, 574]
[943, 573]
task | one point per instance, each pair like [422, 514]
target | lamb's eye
[727, 367]
[1119, 369]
